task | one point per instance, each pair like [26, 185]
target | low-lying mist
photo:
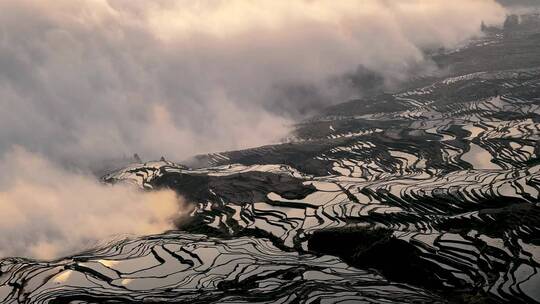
[88, 80]
[48, 212]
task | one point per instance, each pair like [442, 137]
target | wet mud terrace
[426, 195]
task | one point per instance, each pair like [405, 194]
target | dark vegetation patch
[496, 222]
[242, 187]
[397, 260]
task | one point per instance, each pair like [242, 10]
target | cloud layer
[82, 81]
[47, 212]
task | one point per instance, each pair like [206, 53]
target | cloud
[82, 81]
[48, 212]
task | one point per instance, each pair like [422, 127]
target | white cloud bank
[85, 80]
[48, 212]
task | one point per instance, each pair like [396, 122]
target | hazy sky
[82, 81]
